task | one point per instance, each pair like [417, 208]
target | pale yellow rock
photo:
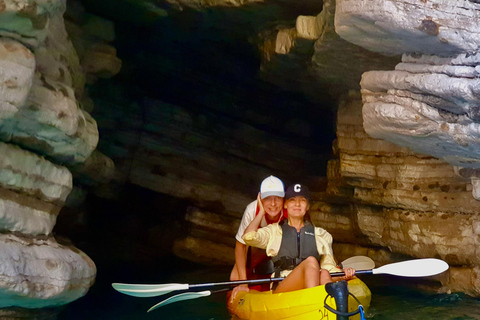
[422, 234]
[463, 280]
[307, 27]
[405, 203]
[336, 218]
[285, 40]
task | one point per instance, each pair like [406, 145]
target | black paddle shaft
[260, 281]
[234, 283]
[339, 274]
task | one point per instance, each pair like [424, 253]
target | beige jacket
[270, 238]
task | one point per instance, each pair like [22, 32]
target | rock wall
[209, 159]
[407, 203]
[429, 102]
[404, 181]
[405, 177]
[45, 136]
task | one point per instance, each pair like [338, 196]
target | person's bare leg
[325, 277]
[305, 275]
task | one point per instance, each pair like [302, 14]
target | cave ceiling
[206, 56]
[240, 65]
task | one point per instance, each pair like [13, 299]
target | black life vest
[295, 246]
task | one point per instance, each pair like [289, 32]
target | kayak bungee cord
[346, 315]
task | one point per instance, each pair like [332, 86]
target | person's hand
[236, 290]
[349, 273]
[261, 210]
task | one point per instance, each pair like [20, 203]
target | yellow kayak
[302, 304]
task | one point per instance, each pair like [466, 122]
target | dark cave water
[103, 302]
[389, 302]
[114, 235]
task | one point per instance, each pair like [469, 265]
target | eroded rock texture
[312, 58]
[41, 84]
[418, 195]
[40, 272]
[400, 186]
[429, 102]
[391, 197]
[436, 27]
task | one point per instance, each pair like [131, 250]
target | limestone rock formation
[27, 21]
[201, 4]
[40, 272]
[33, 191]
[318, 60]
[406, 158]
[17, 67]
[50, 121]
[444, 28]
[393, 198]
[429, 103]
[41, 83]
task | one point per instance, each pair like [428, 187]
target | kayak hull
[302, 304]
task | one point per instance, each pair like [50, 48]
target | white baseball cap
[272, 186]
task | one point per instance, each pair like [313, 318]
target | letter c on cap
[297, 188]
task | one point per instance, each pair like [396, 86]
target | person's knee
[312, 259]
[312, 262]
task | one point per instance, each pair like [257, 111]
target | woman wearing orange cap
[301, 252]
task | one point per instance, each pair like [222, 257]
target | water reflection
[389, 301]
[395, 303]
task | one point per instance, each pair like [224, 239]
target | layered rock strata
[425, 203]
[41, 80]
[429, 102]
[36, 271]
[46, 118]
[204, 157]
[311, 57]
[408, 203]
[211, 239]
[435, 27]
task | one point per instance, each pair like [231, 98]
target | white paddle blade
[148, 290]
[414, 268]
[359, 263]
[181, 297]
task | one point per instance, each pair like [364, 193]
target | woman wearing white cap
[269, 205]
[301, 252]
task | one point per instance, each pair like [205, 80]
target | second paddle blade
[414, 268]
[148, 290]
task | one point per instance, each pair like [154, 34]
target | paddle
[411, 268]
[153, 290]
[181, 297]
[185, 296]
